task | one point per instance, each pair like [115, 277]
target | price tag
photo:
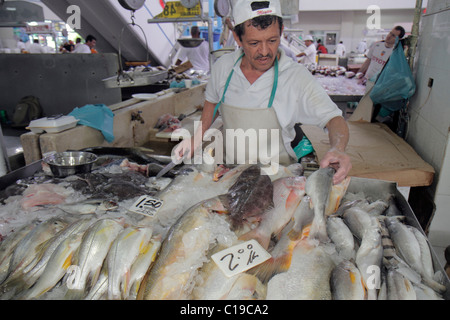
[147, 206]
[241, 258]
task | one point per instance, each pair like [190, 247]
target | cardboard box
[377, 153]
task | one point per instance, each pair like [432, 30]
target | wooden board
[377, 153]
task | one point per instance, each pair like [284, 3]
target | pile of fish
[324, 242]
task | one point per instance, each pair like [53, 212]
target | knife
[171, 165]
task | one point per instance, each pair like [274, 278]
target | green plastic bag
[395, 83]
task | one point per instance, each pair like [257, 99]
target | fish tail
[263, 240]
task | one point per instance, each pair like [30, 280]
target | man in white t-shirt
[198, 56]
[36, 47]
[310, 54]
[340, 49]
[258, 87]
[88, 46]
[378, 55]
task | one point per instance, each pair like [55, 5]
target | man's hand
[339, 161]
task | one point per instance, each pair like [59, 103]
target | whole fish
[56, 268]
[141, 266]
[8, 246]
[347, 283]
[399, 287]
[89, 206]
[337, 193]
[182, 253]
[121, 256]
[177, 199]
[369, 259]
[34, 270]
[250, 196]
[425, 253]
[308, 277]
[318, 187]
[342, 237]
[409, 249]
[29, 247]
[94, 247]
[358, 221]
[287, 194]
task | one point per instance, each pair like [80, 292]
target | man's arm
[191, 145]
[339, 136]
[365, 66]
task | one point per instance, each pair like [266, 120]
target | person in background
[378, 55]
[36, 47]
[340, 49]
[198, 56]
[362, 47]
[259, 88]
[320, 47]
[309, 55]
[226, 38]
[88, 46]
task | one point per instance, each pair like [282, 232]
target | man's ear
[236, 38]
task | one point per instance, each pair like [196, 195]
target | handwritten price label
[147, 206]
[241, 258]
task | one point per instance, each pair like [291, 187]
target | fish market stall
[119, 233]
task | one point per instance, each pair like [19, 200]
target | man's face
[260, 45]
[91, 44]
[308, 42]
[390, 39]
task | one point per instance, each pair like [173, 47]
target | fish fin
[263, 240]
[271, 267]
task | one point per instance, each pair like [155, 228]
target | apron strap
[272, 95]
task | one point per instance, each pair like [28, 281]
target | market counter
[377, 153]
[134, 122]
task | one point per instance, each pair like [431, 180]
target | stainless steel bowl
[63, 164]
[190, 42]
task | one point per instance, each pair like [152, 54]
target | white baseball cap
[308, 37]
[242, 10]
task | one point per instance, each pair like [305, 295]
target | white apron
[258, 128]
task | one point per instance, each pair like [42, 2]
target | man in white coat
[259, 88]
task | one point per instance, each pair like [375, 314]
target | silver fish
[121, 256]
[409, 249]
[30, 245]
[182, 253]
[308, 277]
[425, 253]
[287, 194]
[399, 287]
[369, 259]
[93, 250]
[34, 270]
[358, 221]
[140, 267]
[342, 237]
[347, 283]
[56, 268]
[8, 246]
[318, 187]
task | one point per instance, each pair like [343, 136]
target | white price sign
[147, 206]
[241, 258]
